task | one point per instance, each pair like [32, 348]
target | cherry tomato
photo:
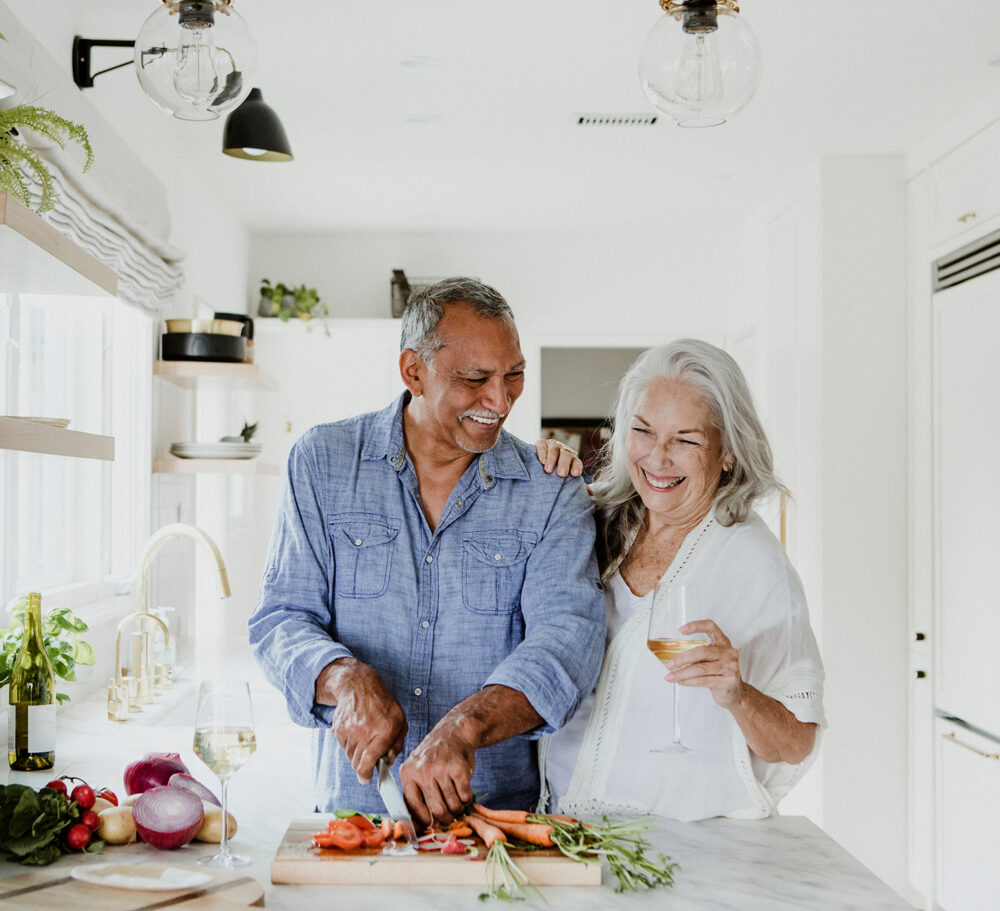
[77, 837]
[57, 785]
[83, 794]
[109, 795]
[362, 822]
[91, 820]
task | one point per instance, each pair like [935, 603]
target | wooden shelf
[36, 258]
[174, 465]
[187, 373]
[27, 436]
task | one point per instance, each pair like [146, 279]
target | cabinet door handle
[967, 217]
[969, 746]
[920, 675]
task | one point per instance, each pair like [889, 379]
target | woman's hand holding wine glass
[224, 739]
[671, 610]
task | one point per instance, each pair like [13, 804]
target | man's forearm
[492, 714]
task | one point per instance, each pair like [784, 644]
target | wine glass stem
[224, 841]
[677, 718]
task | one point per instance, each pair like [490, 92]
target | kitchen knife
[396, 807]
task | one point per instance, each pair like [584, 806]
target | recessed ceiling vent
[615, 120]
[970, 261]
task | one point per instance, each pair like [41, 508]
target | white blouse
[601, 760]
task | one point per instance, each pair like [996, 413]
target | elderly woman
[686, 461]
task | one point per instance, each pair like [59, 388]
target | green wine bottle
[31, 718]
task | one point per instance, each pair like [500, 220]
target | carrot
[397, 831]
[532, 832]
[501, 815]
[459, 829]
[488, 832]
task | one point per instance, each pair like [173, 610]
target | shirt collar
[386, 442]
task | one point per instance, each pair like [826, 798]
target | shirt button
[417, 691]
[358, 542]
[425, 623]
[429, 558]
[458, 504]
[497, 557]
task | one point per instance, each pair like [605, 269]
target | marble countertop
[760, 865]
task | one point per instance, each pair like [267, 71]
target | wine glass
[674, 604]
[224, 739]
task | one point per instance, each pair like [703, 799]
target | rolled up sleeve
[290, 627]
[559, 659]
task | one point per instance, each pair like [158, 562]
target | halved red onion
[190, 783]
[152, 771]
[167, 817]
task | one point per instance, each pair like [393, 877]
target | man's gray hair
[425, 309]
[719, 378]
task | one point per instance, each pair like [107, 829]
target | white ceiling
[486, 138]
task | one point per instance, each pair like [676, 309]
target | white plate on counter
[215, 450]
[145, 877]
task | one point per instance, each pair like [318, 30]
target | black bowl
[203, 346]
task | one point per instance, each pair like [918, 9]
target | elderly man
[430, 591]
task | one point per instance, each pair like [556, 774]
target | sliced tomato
[363, 823]
[374, 838]
[346, 838]
[386, 828]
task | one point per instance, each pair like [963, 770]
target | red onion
[167, 818]
[151, 772]
[183, 780]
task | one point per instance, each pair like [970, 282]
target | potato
[211, 824]
[100, 805]
[117, 827]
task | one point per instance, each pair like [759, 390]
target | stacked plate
[215, 450]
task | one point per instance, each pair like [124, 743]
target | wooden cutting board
[52, 889]
[297, 861]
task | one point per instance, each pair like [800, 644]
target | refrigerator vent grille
[970, 261]
[615, 120]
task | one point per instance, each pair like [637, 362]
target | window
[69, 525]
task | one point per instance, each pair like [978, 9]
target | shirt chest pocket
[362, 551]
[493, 565]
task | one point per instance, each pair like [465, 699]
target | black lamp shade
[253, 131]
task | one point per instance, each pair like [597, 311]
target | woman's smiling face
[674, 453]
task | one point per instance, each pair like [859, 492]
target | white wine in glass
[674, 604]
[224, 739]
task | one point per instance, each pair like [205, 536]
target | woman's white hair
[717, 376]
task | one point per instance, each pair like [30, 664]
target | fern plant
[17, 157]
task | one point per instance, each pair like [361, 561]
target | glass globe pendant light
[195, 58]
[700, 63]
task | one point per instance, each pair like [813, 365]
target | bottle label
[41, 728]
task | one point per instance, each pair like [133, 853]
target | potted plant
[60, 636]
[16, 156]
[285, 301]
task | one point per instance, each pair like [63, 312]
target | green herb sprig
[61, 631]
[622, 844]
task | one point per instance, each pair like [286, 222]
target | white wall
[839, 397]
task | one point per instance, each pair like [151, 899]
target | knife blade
[396, 807]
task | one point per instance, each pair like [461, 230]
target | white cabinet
[965, 191]
[968, 807]
[966, 495]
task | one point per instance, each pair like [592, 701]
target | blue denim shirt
[504, 591]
